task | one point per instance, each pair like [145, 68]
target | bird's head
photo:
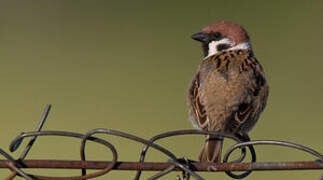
[222, 36]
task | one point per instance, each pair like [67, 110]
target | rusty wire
[160, 166]
[188, 167]
[201, 132]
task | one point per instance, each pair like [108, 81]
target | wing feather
[197, 111]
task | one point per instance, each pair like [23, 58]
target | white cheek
[212, 48]
[245, 45]
[213, 44]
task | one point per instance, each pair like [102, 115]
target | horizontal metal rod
[159, 166]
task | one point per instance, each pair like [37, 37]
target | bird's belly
[222, 97]
[226, 91]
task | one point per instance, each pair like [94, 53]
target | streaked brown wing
[197, 111]
[248, 112]
[239, 118]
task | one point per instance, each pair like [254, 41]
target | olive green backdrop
[125, 65]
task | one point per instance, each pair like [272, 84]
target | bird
[229, 91]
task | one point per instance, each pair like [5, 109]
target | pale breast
[224, 87]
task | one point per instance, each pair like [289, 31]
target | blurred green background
[125, 65]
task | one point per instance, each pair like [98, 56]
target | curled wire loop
[198, 132]
[242, 142]
[147, 143]
[273, 142]
[19, 139]
[265, 142]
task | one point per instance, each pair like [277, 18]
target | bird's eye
[222, 47]
[217, 35]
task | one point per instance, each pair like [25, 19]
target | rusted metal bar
[159, 166]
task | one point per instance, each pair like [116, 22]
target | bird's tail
[212, 149]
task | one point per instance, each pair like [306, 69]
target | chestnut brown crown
[227, 29]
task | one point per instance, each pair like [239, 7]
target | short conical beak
[200, 36]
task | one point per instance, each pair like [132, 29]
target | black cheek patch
[222, 47]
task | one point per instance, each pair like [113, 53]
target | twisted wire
[185, 165]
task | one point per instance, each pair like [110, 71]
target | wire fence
[187, 167]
